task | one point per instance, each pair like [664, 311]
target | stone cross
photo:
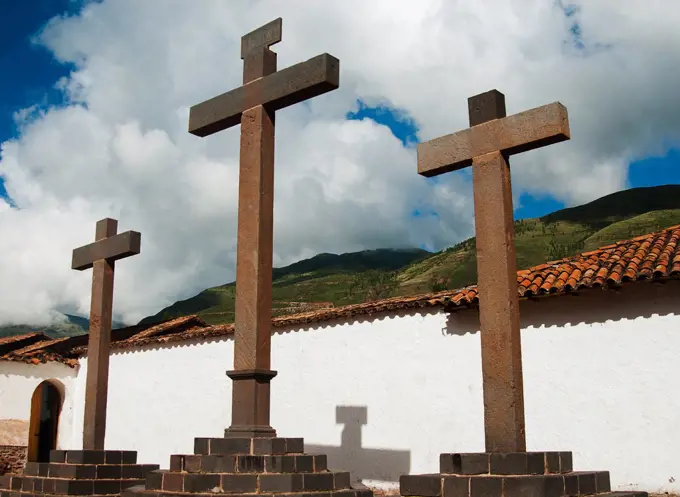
[486, 146]
[101, 256]
[253, 105]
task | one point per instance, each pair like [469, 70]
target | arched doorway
[42, 432]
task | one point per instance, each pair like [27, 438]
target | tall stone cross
[486, 146]
[253, 105]
[101, 256]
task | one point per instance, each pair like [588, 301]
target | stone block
[304, 464]
[456, 486]
[280, 464]
[511, 463]
[281, 483]
[176, 462]
[524, 486]
[552, 462]
[250, 464]
[218, 464]
[154, 480]
[318, 482]
[239, 483]
[486, 486]
[341, 480]
[201, 483]
[107, 487]
[108, 471]
[85, 456]
[571, 485]
[420, 485]
[464, 464]
[192, 463]
[566, 462]
[173, 482]
[57, 456]
[535, 463]
[587, 483]
[602, 482]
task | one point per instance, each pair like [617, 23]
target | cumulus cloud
[120, 146]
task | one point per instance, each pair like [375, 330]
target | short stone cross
[101, 256]
[486, 146]
[253, 105]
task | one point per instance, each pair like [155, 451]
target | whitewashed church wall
[384, 396]
[18, 381]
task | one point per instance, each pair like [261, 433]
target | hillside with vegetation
[370, 275]
[330, 279]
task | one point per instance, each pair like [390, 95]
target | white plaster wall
[601, 379]
[18, 381]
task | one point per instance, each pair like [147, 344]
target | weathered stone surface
[79, 472]
[12, 459]
[101, 256]
[521, 132]
[276, 91]
[486, 146]
[507, 485]
[248, 446]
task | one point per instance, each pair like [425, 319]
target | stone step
[143, 492]
[172, 481]
[509, 463]
[248, 446]
[18, 493]
[94, 456]
[61, 486]
[546, 485]
[88, 471]
[624, 493]
[222, 463]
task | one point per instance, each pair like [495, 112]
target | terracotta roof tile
[656, 255]
[15, 342]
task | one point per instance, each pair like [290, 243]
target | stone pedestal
[78, 472]
[269, 466]
[517, 474]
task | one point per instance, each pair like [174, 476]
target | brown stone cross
[253, 105]
[101, 256]
[486, 146]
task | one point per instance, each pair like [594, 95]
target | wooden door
[44, 422]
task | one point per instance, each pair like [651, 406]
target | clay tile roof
[649, 257]
[8, 344]
[67, 349]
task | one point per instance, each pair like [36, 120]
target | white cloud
[122, 149]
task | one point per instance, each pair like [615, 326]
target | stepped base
[517, 474]
[248, 466]
[78, 472]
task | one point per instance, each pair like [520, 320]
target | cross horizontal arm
[288, 86]
[514, 134]
[112, 249]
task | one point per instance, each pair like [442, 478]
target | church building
[384, 387]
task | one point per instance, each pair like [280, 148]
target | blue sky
[33, 72]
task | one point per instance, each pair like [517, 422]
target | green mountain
[331, 279]
[369, 275]
[74, 325]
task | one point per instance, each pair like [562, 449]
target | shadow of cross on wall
[362, 463]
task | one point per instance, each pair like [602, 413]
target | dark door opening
[45, 408]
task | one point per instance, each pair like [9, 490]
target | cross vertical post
[486, 146]
[253, 105]
[503, 385]
[101, 257]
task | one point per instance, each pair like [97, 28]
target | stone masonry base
[517, 474]
[77, 472]
[248, 466]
